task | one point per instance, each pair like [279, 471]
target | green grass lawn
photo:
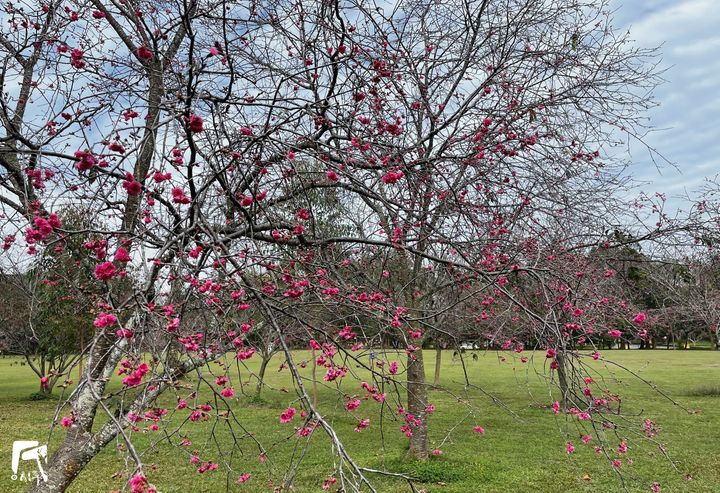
[523, 449]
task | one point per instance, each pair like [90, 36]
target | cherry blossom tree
[363, 173]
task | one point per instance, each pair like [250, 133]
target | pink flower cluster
[287, 415]
[134, 377]
[105, 271]
[104, 320]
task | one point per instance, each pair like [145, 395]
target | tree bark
[562, 380]
[314, 380]
[261, 375]
[417, 400]
[80, 444]
[438, 362]
[78, 448]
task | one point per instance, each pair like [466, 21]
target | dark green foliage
[40, 396]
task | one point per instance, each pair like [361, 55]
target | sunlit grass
[521, 451]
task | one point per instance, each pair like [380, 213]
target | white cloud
[690, 101]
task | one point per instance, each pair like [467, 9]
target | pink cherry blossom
[287, 415]
[121, 255]
[144, 53]
[131, 186]
[104, 320]
[105, 271]
[195, 124]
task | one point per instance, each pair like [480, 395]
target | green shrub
[40, 396]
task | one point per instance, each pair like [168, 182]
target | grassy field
[523, 449]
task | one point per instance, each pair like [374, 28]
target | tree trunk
[438, 362]
[261, 375]
[562, 380]
[78, 448]
[82, 351]
[417, 400]
[80, 445]
[314, 379]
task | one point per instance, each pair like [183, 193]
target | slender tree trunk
[438, 362]
[417, 400]
[563, 380]
[82, 349]
[261, 375]
[314, 380]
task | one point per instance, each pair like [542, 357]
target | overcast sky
[689, 31]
